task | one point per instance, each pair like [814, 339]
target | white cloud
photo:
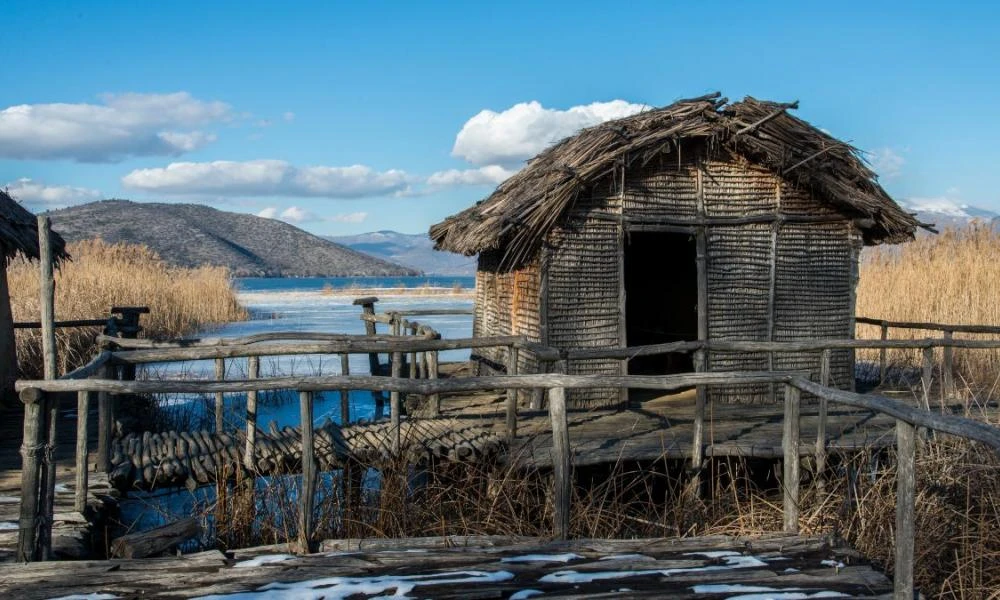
[288, 116]
[122, 125]
[294, 214]
[355, 217]
[488, 175]
[267, 178]
[268, 213]
[37, 193]
[886, 162]
[527, 128]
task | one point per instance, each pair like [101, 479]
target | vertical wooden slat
[560, 462]
[790, 446]
[947, 369]
[82, 410]
[906, 482]
[220, 398]
[253, 372]
[512, 369]
[32, 448]
[926, 377]
[824, 380]
[394, 407]
[345, 396]
[308, 473]
[432, 373]
[882, 354]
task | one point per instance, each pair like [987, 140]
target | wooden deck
[707, 568]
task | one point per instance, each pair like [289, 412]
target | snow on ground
[760, 592]
[563, 558]
[631, 557]
[733, 560]
[263, 559]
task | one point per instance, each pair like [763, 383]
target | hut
[702, 220]
[18, 235]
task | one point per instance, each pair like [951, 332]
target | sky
[347, 117]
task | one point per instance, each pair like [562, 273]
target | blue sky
[351, 117]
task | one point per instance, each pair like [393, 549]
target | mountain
[190, 235]
[413, 250]
[944, 213]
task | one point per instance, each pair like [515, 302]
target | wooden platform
[708, 568]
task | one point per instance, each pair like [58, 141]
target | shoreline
[351, 293]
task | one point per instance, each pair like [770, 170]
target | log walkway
[475, 567]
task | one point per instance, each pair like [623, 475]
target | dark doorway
[661, 298]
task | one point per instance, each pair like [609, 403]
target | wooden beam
[155, 541]
[253, 372]
[308, 492]
[394, 403]
[824, 380]
[220, 399]
[562, 477]
[954, 328]
[47, 289]
[511, 400]
[105, 421]
[926, 376]
[790, 446]
[82, 410]
[32, 449]
[947, 369]
[345, 396]
[906, 483]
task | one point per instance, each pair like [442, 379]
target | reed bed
[952, 278]
[101, 275]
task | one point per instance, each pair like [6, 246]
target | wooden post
[308, 491]
[82, 408]
[512, 369]
[368, 310]
[906, 482]
[48, 490]
[790, 445]
[413, 355]
[432, 373]
[32, 448]
[47, 285]
[948, 369]
[105, 425]
[394, 408]
[824, 380]
[926, 378]
[345, 396]
[560, 462]
[253, 372]
[701, 356]
[882, 355]
[128, 327]
[220, 398]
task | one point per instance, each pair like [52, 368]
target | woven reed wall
[506, 304]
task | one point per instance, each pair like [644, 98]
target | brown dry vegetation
[102, 275]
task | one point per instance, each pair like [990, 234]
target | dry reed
[102, 275]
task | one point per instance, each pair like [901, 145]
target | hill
[190, 235]
[412, 250]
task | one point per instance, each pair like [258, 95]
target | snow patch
[836, 564]
[263, 559]
[340, 588]
[633, 557]
[563, 558]
[62, 488]
[8, 525]
[525, 594]
[94, 596]
[734, 560]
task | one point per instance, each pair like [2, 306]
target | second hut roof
[19, 232]
[522, 210]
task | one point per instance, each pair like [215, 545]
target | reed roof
[19, 232]
[523, 209]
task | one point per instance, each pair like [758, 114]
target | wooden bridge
[454, 416]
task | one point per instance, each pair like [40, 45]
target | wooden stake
[82, 409]
[906, 482]
[253, 372]
[48, 490]
[394, 407]
[790, 445]
[926, 378]
[308, 473]
[345, 396]
[432, 374]
[560, 461]
[32, 449]
[105, 424]
[948, 369]
[824, 380]
[48, 295]
[882, 359]
[512, 369]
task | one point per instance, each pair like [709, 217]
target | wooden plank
[308, 492]
[905, 505]
[82, 410]
[790, 446]
[562, 476]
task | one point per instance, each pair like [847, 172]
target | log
[931, 326]
[824, 380]
[926, 377]
[511, 401]
[432, 374]
[882, 359]
[47, 286]
[105, 423]
[155, 541]
[48, 489]
[32, 448]
[394, 403]
[948, 370]
[560, 462]
[82, 409]
[220, 399]
[906, 482]
[307, 497]
[253, 372]
[790, 446]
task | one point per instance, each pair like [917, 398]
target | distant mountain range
[191, 235]
[944, 213]
[412, 250]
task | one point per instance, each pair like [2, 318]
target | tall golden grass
[951, 278]
[102, 275]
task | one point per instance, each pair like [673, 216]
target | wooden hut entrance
[661, 298]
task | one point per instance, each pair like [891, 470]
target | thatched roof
[522, 210]
[19, 232]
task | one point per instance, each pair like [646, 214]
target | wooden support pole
[413, 355]
[308, 491]
[253, 372]
[32, 449]
[926, 377]
[220, 397]
[48, 490]
[560, 462]
[47, 285]
[105, 425]
[790, 446]
[432, 373]
[368, 310]
[394, 404]
[701, 356]
[512, 369]
[882, 354]
[947, 369]
[824, 380]
[906, 483]
[82, 409]
[345, 396]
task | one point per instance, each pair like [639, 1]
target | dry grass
[102, 275]
[951, 278]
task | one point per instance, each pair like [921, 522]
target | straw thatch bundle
[523, 209]
[19, 231]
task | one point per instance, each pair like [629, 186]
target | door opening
[661, 298]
